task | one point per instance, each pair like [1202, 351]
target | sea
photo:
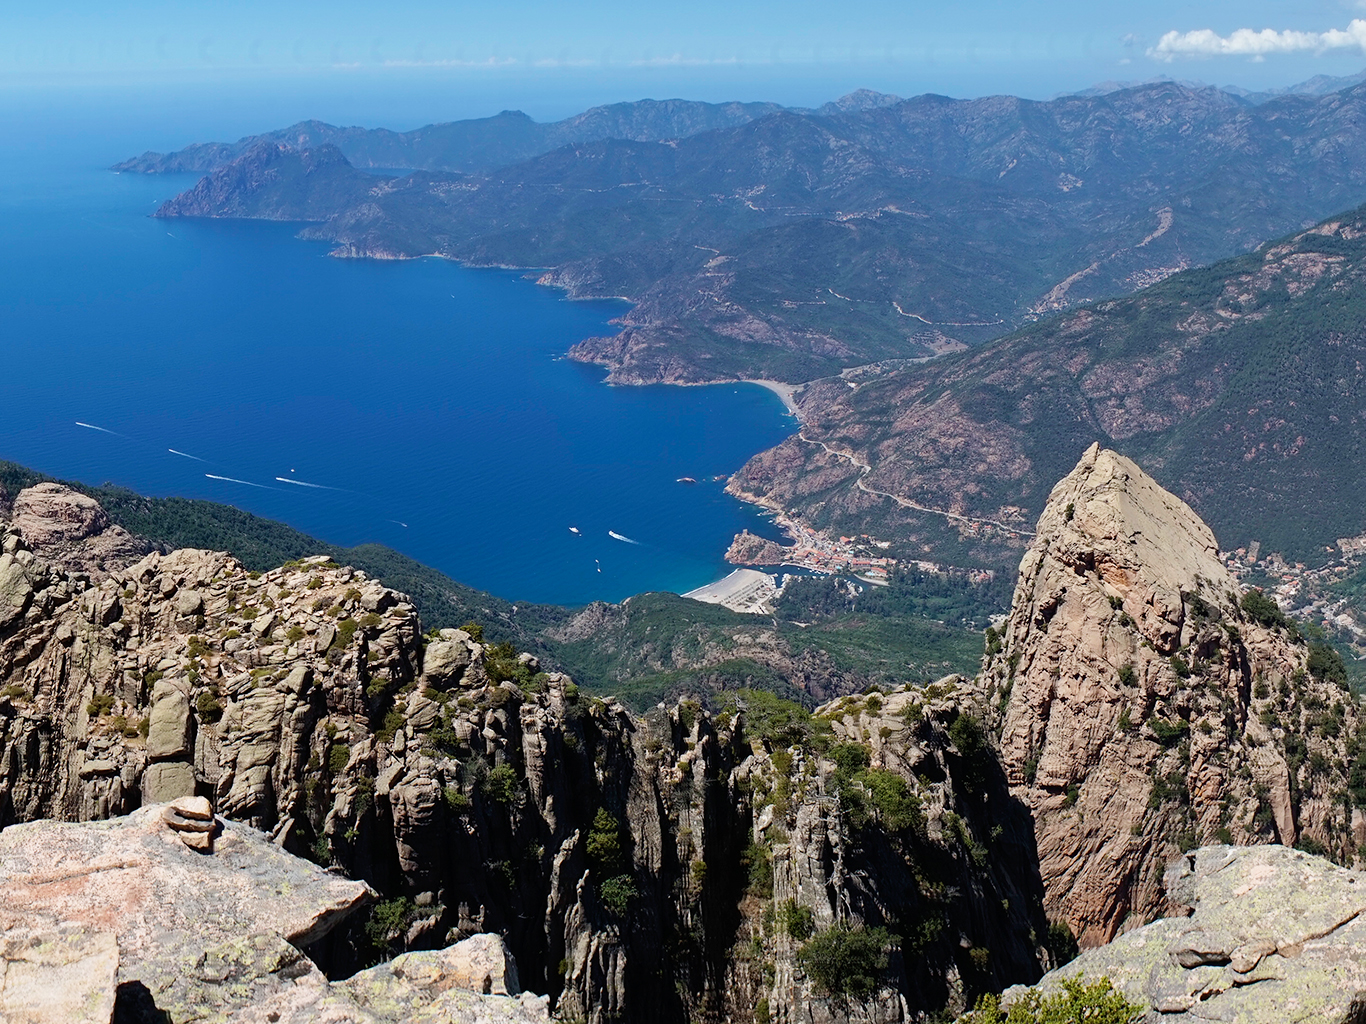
[415, 403]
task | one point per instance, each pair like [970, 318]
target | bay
[413, 403]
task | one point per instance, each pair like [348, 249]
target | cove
[417, 404]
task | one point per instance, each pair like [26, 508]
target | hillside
[1240, 385]
[795, 245]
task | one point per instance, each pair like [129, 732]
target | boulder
[481, 963]
[443, 662]
[167, 780]
[1273, 934]
[49, 975]
[16, 590]
[118, 918]
[70, 529]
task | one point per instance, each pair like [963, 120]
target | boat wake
[625, 540]
[102, 430]
[234, 480]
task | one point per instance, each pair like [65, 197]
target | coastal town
[862, 556]
[1317, 594]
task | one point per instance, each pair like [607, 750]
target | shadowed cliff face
[638, 867]
[1148, 707]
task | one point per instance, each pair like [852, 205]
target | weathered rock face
[613, 853]
[1272, 935]
[125, 918]
[925, 842]
[70, 530]
[1145, 710]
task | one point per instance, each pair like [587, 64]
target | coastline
[785, 392]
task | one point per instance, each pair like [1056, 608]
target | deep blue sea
[418, 404]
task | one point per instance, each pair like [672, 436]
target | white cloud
[1247, 42]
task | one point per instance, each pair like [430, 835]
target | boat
[575, 530]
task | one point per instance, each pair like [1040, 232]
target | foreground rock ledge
[1274, 935]
[121, 919]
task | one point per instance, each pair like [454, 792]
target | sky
[211, 69]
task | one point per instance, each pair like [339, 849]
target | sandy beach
[786, 392]
[744, 590]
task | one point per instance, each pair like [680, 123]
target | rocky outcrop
[1149, 708]
[898, 818]
[1266, 934]
[614, 854]
[70, 530]
[748, 549]
[123, 918]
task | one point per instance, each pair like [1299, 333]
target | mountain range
[797, 245]
[485, 143]
[1240, 384]
[846, 248]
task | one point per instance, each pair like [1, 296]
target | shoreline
[785, 392]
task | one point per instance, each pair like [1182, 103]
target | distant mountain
[1319, 85]
[797, 245]
[482, 144]
[1242, 386]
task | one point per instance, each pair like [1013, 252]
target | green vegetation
[608, 859]
[757, 864]
[502, 785]
[209, 707]
[1096, 1003]
[1169, 734]
[910, 594]
[777, 722]
[1264, 610]
[1061, 943]
[845, 960]
[617, 893]
[387, 921]
[796, 920]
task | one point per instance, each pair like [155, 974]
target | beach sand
[744, 590]
[786, 392]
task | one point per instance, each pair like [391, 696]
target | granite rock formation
[120, 919]
[1150, 707]
[1266, 934]
[617, 855]
[72, 531]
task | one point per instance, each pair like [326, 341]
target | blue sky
[406, 63]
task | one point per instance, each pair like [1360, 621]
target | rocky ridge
[1148, 707]
[682, 863]
[634, 865]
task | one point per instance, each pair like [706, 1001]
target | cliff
[673, 865]
[1149, 706]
